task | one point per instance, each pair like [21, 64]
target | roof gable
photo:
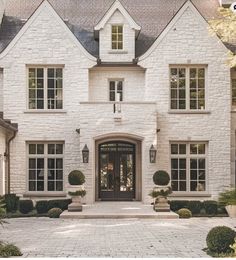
[186, 5]
[117, 6]
[45, 5]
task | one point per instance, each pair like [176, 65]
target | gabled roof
[81, 16]
[117, 6]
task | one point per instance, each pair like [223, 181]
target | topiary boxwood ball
[76, 178]
[220, 238]
[161, 178]
[184, 213]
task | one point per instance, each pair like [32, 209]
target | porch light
[152, 154]
[85, 153]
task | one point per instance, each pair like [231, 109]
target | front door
[117, 171]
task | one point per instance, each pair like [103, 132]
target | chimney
[2, 9]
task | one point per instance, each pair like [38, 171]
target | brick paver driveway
[41, 237]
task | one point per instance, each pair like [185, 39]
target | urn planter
[231, 210]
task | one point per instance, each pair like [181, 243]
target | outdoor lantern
[152, 153]
[85, 153]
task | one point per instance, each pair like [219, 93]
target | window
[45, 166]
[117, 37]
[116, 90]
[233, 83]
[45, 88]
[187, 87]
[188, 167]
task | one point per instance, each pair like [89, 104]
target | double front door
[116, 171]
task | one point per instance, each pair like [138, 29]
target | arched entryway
[118, 174]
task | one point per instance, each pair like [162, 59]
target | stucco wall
[188, 42]
[105, 51]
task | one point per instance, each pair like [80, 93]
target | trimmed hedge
[25, 206]
[61, 204]
[42, 206]
[219, 239]
[11, 201]
[209, 207]
[76, 178]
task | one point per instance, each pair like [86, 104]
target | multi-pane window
[233, 83]
[117, 37]
[188, 167]
[45, 88]
[45, 166]
[187, 88]
[116, 90]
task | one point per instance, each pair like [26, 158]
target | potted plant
[228, 199]
[161, 191]
[77, 179]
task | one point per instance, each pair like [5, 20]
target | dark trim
[117, 64]
[8, 126]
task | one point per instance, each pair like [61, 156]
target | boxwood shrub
[175, 205]
[11, 202]
[54, 213]
[195, 206]
[61, 204]
[42, 206]
[211, 207]
[25, 206]
[219, 239]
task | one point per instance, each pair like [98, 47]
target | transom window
[188, 167]
[233, 83]
[117, 37]
[45, 166]
[45, 88]
[187, 87]
[116, 90]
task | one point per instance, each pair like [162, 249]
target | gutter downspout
[8, 191]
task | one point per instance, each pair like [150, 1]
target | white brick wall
[133, 86]
[46, 42]
[2, 162]
[188, 40]
[128, 41]
[1, 90]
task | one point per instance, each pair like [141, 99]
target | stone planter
[161, 204]
[76, 205]
[231, 210]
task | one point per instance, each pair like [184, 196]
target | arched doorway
[116, 170]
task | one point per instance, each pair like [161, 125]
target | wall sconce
[152, 154]
[85, 153]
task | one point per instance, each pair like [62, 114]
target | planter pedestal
[76, 205]
[161, 205]
[231, 210]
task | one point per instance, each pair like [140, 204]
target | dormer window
[117, 37]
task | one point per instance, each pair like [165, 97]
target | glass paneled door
[117, 171]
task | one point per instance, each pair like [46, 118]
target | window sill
[189, 112]
[45, 194]
[37, 111]
[118, 52]
[189, 194]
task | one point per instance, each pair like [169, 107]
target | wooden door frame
[138, 162]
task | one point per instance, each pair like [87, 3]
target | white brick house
[117, 78]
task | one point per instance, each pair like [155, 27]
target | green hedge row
[13, 204]
[208, 207]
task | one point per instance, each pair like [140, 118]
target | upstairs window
[116, 90]
[187, 88]
[45, 86]
[117, 37]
